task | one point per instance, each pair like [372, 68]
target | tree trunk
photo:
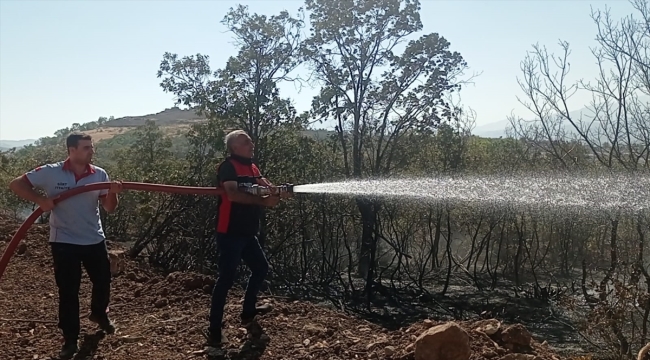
[368, 212]
[436, 241]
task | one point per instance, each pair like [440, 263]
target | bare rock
[644, 353]
[193, 283]
[132, 276]
[516, 337]
[488, 326]
[314, 330]
[389, 351]
[116, 258]
[162, 302]
[443, 342]
[22, 248]
[172, 277]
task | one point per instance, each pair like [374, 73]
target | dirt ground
[162, 317]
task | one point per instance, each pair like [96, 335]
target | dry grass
[105, 133]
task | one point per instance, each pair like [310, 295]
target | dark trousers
[68, 259]
[232, 251]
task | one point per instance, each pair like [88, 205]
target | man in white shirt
[76, 234]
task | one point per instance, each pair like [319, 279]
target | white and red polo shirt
[75, 220]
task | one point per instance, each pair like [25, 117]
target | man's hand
[116, 187]
[286, 195]
[46, 204]
[110, 201]
[271, 201]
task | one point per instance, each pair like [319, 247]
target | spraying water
[627, 193]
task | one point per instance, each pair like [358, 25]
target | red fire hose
[20, 234]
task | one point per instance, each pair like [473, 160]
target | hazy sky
[63, 62]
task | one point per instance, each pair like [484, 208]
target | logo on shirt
[62, 186]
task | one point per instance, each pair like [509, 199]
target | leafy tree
[244, 94]
[374, 94]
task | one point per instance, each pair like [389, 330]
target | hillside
[171, 116]
[172, 121]
[175, 120]
[9, 144]
[161, 317]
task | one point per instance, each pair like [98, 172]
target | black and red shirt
[234, 218]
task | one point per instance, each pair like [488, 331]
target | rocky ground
[162, 317]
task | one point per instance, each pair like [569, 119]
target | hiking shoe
[69, 349]
[259, 310]
[215, 338]
[254, 329]
[263, 309]
[104, 322]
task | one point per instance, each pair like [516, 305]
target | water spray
[585, 193]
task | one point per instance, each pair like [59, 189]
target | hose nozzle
[259, 190]
[284, 189]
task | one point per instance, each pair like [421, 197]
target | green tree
[244, 94]
[377, 97]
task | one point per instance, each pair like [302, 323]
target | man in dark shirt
[237, 227]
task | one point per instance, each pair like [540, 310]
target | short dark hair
[73, 139]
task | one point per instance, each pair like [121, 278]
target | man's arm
[109, 198]
[21, 187]
[110, 202]
[227, 176]
[262, 181]
[234, 195]
[24, 186]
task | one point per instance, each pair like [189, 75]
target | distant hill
[171, 116]
[498, 128]
[174, 119]
[9, 144]
[492, 130]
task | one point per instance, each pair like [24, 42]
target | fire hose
[174, 189]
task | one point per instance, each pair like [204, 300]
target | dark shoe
[104, 323]
[254, 329]
[215, 338]
[69, 349]
[259, 310]
[263, 309]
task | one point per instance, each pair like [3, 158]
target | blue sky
[63, 62]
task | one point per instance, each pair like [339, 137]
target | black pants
[232, 251]
[68, 259]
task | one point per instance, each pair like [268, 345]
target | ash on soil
[162, 317]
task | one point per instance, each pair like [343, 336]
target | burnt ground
[162, 317]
